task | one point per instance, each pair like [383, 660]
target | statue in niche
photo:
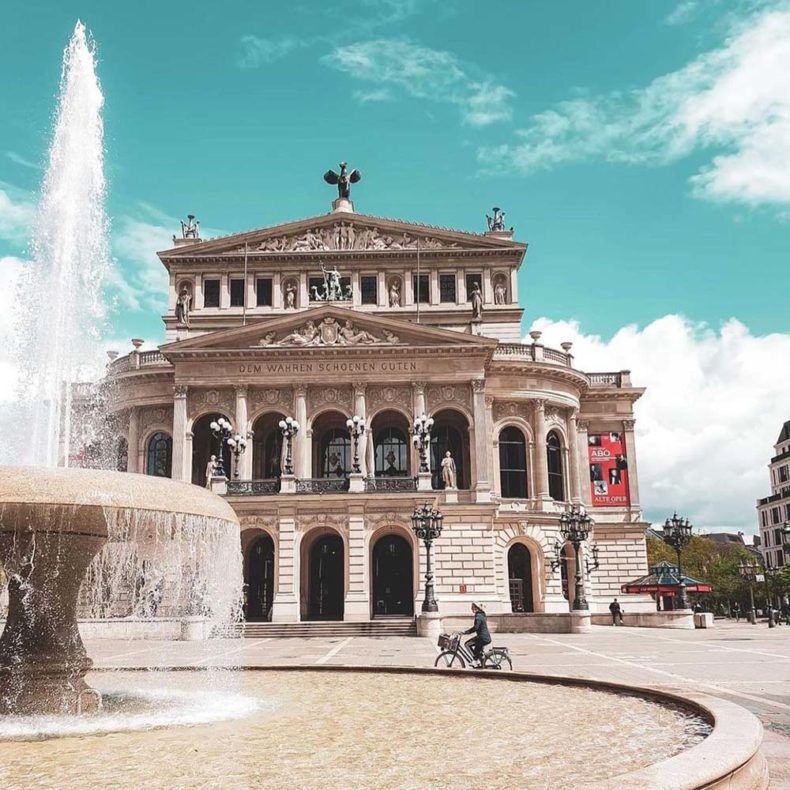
[183, 304]
[343, 179]
[394, 294]
[500, 292]
[290, 296]
[476, 298]
[306, 336]
[332, 290]
[449, 472]
[211, 470]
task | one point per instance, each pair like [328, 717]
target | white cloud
[425, 73]
[682, 13]
[255, 51]
[733, 101]
[376, 95]
[706, 425]
[16, 214]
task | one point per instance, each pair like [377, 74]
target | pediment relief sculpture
[329, 332]
[348, 236]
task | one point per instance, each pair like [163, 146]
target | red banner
[608, 470]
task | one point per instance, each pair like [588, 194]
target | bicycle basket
[447, 641]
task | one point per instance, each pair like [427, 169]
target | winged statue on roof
[343, 179]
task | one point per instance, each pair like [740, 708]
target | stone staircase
[323, 629]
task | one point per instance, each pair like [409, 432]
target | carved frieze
[555, 415]
[336, 521]
[505, 409]
[329, 332]
[381, 397]
[349, 236]
[390, 518]
[155, 415]
[259, 522]
[319, 397]
[441, 395]
[271, 397]
[223, 400]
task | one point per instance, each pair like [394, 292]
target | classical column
[133, 446]
[304, 295]
[360, 409]
[245, 459]
[541, 462]
[277, 291]
[301, 460]
[357, 603]
[224, 292]
[630, 458]
[383, 296]
[584, 462]
[483, 483]
[356, 290]
[573, 458]
[514, 286]
[419, 408]
[179, 432]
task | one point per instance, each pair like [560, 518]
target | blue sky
[641, 148]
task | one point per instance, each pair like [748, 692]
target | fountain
[52, 523]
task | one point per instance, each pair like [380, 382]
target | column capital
[478, 385]
[300, 391]
[419, 386]
[540, 404]
[628, 425]
[359, 389]
[241, 390]
[583, 425]
[489, 401]
[180, 390]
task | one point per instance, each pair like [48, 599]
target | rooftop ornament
[343, 180]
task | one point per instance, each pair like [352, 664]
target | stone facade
[261, 345]
[773, 512]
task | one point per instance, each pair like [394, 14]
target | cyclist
[480, 630]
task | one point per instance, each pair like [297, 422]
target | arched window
[267, 446]
[450, 434]
[159, 455]
[392, 452]
[513, 464]
[335, 453]
[554, 458]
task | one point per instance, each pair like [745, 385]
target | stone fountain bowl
[53, 521]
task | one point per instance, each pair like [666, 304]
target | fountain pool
[308, 728]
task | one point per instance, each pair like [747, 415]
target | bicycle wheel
[449, 659]
[497, 660]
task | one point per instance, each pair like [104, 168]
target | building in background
[773, 512]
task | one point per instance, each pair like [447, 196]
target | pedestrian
[786, 611]
[736, 610]
[617, 612]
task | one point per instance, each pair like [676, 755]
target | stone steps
[323, 629]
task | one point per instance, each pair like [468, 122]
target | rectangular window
[783, 476]
[447, 288]
[776, 514]
[370, 289]
[421, 289]
[263, 292]
[778, 537]
[237, 293]
[210, 293]
[471, 279]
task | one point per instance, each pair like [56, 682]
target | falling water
[62, 299]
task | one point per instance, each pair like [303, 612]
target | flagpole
[244, 305]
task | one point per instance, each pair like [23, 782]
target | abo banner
[608, 470]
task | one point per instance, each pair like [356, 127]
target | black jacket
[480, 628]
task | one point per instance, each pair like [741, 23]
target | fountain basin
[397, 727]
[53, 521]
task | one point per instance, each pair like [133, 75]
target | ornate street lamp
[748, 571]
[422, 439]
[356, 427]
[222, 430]
[677, 534]
[237, 444]
[426, 522]
[289, 427]
[575, 527]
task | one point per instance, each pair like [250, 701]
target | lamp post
[767, 570]
[356, 427]
[422, 439]
[289, 427]
[575, 527]
[426, 522]
[748, 570]
[237, 444]
[677, 534]
[222, 430]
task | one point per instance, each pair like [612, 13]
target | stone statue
[394, 294]
[290, 296]
[191, 228]
[497, 222]
[308, 335]
[449, 473]
[211, 468]
[500, 292]
[343, 179]
[353, 338]
[267, 339]
[477, 302]
[183, 303]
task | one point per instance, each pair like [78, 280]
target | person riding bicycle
[480, 630]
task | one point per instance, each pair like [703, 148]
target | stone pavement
[746, 664]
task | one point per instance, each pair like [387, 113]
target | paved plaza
[748, 665]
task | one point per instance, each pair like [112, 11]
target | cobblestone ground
[747, 664]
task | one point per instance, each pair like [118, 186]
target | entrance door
[519, 571]
[326, 579]
[260, 580]
[393, 589]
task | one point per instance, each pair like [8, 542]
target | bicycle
[455, 654]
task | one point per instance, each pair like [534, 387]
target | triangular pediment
[343, 232]
[328, 326]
